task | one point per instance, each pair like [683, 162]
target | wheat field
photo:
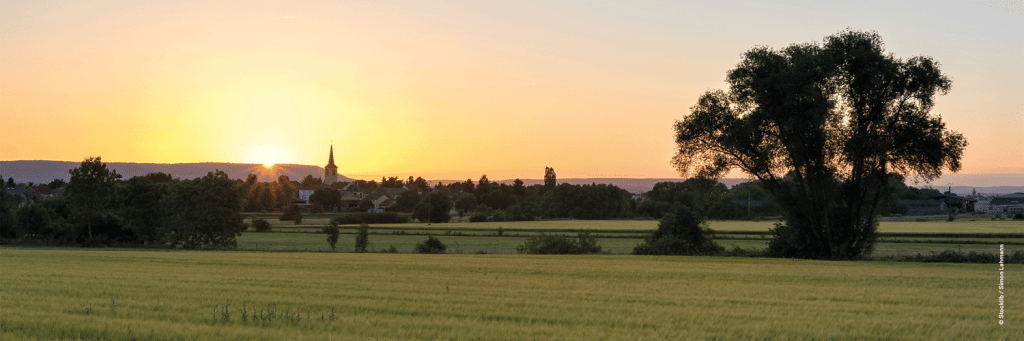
[54, 294]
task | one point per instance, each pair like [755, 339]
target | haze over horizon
[449, 90]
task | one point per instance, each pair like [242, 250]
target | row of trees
[99, 208]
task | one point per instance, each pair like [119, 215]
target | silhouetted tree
[549, 178]
[465, 203]
[204, 212]
[56, 183]
[160, 177]
[837, 118]
[326, 198]
[91, 190]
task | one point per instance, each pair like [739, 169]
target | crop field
[51, 294]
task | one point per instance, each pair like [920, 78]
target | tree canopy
[822, 126]
[91, 189]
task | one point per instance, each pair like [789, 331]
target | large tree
[822, 126]
[204, 212]
[91, 190]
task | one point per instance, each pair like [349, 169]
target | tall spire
[330, 160]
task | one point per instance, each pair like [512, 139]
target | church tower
[330, 171]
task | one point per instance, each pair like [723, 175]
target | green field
[620, 236]
[171, 295]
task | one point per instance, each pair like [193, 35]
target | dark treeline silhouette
[99, 209]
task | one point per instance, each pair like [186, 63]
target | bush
[1018, 216]
[290, 213]
[370, 218]
[362, 238]
[498, 215]
[333, 232]
[546, 244]
[431, 245]
[478, 218]
[260, 225]
[679, 233]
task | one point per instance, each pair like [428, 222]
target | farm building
[1010, 203]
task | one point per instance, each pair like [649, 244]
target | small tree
[465, 203]
[333, 232]
[431, 245]
[327, 198]
[260, 225]
[433, 208]
[292, 212]
[91, 190]
[549, 178]
[680, 232]
[362, 237]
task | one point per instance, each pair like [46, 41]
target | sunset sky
[449, 90]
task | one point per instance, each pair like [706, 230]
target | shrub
[478, 218]
[1018, 216]
[260, 225]
[333, 232]
[679, 233]
[545, 244]
[431, 245]
[290, 213]
[499, 215]
[362, 238]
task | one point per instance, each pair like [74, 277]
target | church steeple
[330, 171]
[330, 159]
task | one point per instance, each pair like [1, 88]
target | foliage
[139, 207]
[91, 190]
[362, 237]
[333, 233]
[8, 220]
[204, 212]
[431, 245]
[159, 177]
[370, 218]
[56, 183]
[434, 207]
[550, 181]
[327, 198]
[681, 232]
[822, 126]
[478, 218]
[1018, 216]
[406, 201]
[586, 202]
[550, 244]
[465, 203]
[260, 225]
[292, 212]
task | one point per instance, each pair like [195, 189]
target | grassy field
[172, 295]
[620, 236]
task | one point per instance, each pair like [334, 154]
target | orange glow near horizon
[443, 92]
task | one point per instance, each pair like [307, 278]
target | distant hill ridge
[45, 171]
[39, 171]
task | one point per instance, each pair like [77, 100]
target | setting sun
[268, 155]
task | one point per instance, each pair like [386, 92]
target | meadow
[63, 294]
[620, 236]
